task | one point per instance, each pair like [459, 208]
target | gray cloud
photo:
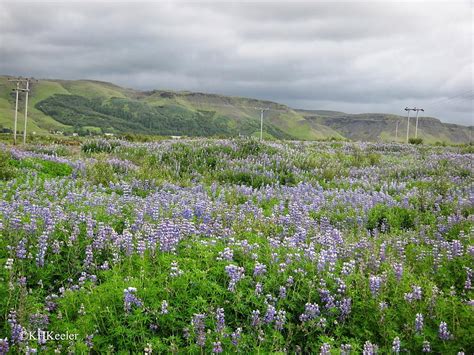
[351, 56]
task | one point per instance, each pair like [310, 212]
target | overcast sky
[348, 56]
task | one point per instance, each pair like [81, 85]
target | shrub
[415, 141]
[7, 170]
[99, 146]
[101, 173]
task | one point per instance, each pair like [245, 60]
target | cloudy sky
[372, 56]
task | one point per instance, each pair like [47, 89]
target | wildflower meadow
[236, 246]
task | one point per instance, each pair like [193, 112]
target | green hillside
[382, 127]
[84, 106]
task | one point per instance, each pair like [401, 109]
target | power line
[466, 95]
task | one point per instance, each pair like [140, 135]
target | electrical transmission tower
[416, 125]
[17, 90]
[408, 120]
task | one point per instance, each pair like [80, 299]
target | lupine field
[236, 246]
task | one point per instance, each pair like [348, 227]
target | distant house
[75, 134]
[108, 134]
[176, 137]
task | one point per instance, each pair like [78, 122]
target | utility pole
[16, 112]
[26, 108]
[408, 120]
[262, 110]
[17, 90]
[416, 125]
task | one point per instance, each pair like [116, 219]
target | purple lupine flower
[345, 307]
[29, 350]
[282, 292]
[4, 346]
[217, 347]
[39, 321]
[396, 345]
[17, 331]
[443, 332]
[235, 336]
[164, 307]
[174, 270]
[258, 289]
[260, 269]
[468, 283]
[130, 299]
[325, 349]
[21, 249]
[426, 346]
[50, 304]
[341, 286]
[419, 322]
[199, 328]
[227, 254]
[398, 269]
[346, 349]
[141, 247]
[255, 318]
[280, 320]
[220, 320]
[88, 341]
[89, 259]
[311, 311]
[269, 315]
[369, 348]
[22, 281]
[236, 273]
[348, 267]
[42, 248]
[416, 294]
[375, 282]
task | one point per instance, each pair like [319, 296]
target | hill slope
[93, 106]
[379, 126]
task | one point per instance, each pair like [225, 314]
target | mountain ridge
[84, 105]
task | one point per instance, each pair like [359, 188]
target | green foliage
[99, 146]
[415, 140]
[101, 173]
[395, 217]
[43, 168]
[7, 169]
[133, 116]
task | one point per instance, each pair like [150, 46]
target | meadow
[236, 246]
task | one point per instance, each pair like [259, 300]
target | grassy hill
[92, 106]
[382, 127]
